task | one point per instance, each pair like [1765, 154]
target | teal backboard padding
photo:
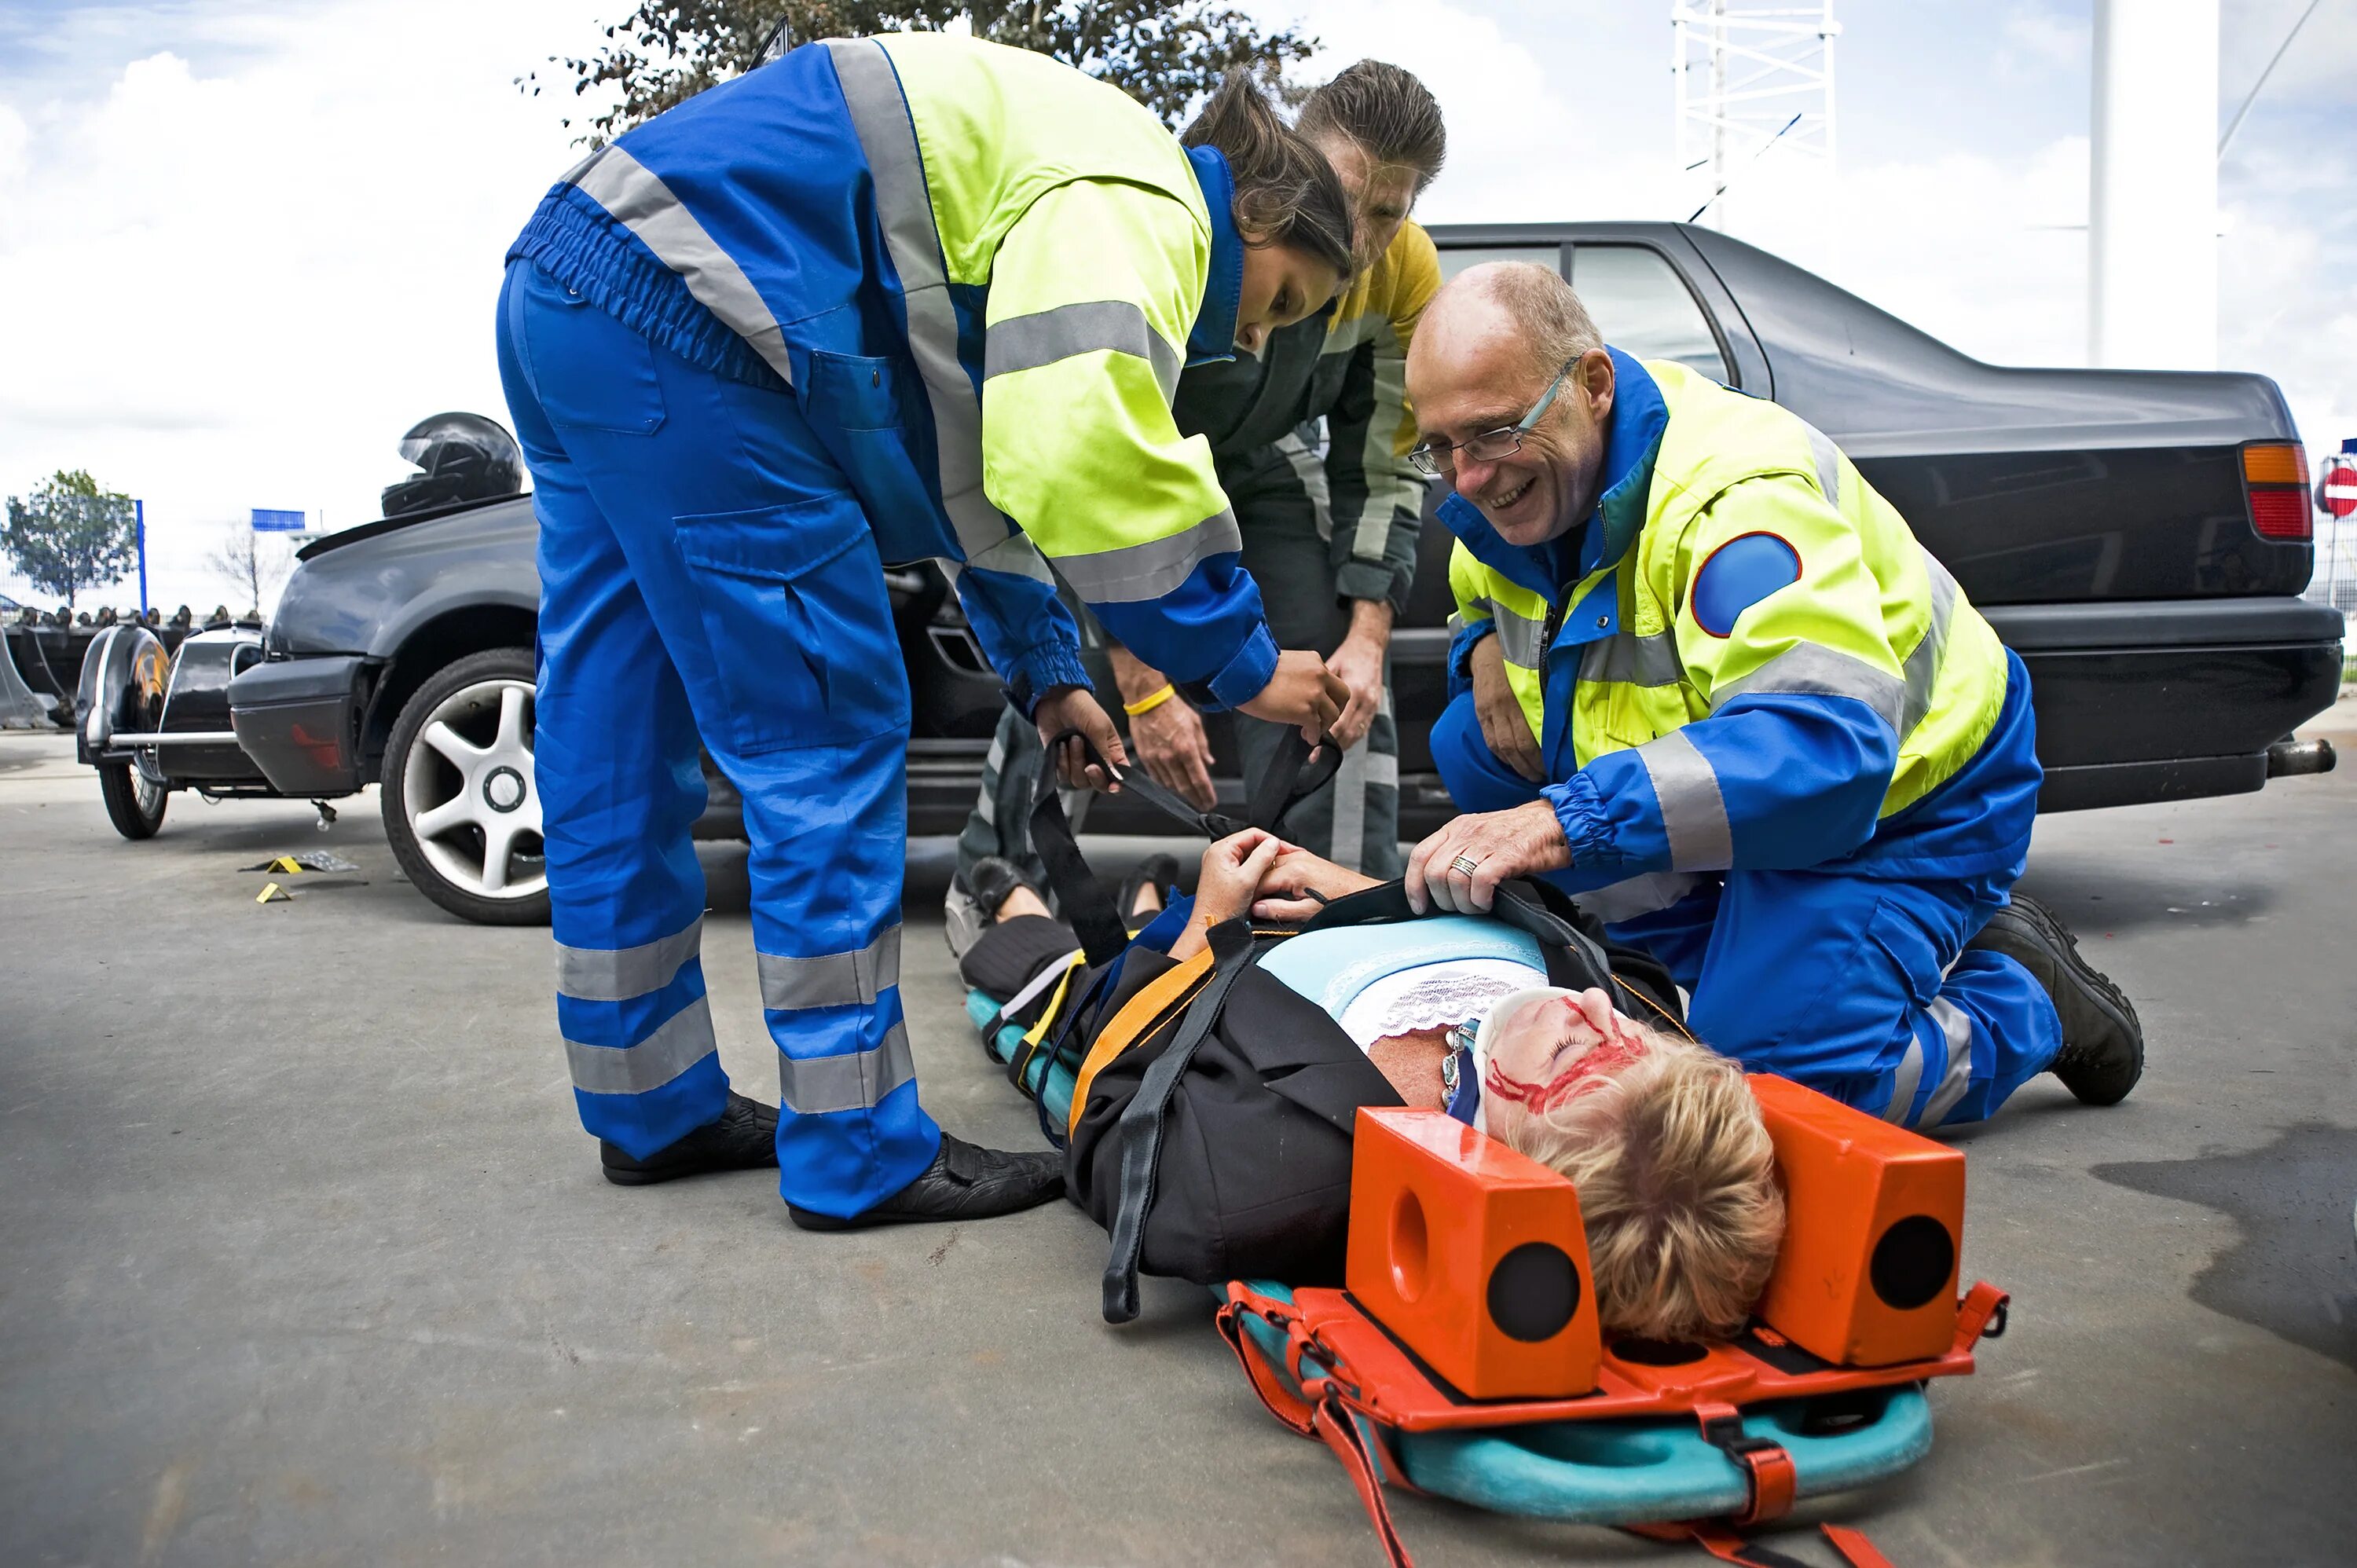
[1057, 1094]
[1640, 1471]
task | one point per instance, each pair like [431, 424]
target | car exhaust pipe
[2286, 758]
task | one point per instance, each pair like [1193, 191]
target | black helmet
[460, 457]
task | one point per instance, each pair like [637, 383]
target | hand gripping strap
[1145, 1117]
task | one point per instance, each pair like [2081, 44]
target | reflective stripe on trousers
[801, 697]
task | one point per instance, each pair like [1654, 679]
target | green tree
[68, 534]
[1167, 54]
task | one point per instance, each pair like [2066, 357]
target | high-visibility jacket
[1743, 659]
[1350, 368]
[982, 271]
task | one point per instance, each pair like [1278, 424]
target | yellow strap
[1155, 1001]
[1151, 701]
[1038, 1030]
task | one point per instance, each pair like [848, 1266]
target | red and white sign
[2336, 492]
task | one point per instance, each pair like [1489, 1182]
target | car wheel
[461, 811]
[134, 803]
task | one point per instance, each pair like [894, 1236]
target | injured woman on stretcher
[1661, 1136]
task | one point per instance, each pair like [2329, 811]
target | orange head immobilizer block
[1874, 1214]
[1473, 1255]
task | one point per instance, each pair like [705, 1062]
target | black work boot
[745, 1138]
[963, 1183]
[2103, 1044]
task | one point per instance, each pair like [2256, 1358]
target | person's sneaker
[2102, 1043]
[963, 1183]
[963, 921]
[745, 1138]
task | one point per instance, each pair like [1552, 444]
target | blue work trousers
[1857, 985]
[706, 574]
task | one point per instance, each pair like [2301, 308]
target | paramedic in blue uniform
[880, 300]
[1704, 677]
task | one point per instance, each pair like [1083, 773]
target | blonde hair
[1677, 1185]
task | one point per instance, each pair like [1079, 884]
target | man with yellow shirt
[1704, 677]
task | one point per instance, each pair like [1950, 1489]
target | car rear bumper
[2169, 700]
[299, 720]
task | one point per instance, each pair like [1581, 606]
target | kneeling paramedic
[880, 300]
[1704, 677]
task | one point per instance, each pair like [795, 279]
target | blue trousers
[1857, 986]
[707, 574]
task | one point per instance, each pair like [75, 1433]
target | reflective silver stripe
[644, 205]
[1150, 570]
[682, 1040]
[1347, 845]
[879, 116]
[1311, 475]
[1646, 895]
[1634, 661]
[1016, 556]
[1922, 665]
[1812, 670]
[1904, 1080]
[1694, 812]
[1028, 342]
[1375, 459]
[1828, 456]
[1958, 1026]
[599, 975]
[1040, 983]
[832, 980]
[1521, 639]
[812, 1086]
[1382, 768]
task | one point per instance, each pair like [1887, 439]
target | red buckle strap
[1982, 1312]
[1288, 1407]
[1767, 1467]
[1332, 1421]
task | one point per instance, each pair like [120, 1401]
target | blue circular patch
[1738, 575]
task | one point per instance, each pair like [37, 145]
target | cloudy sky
[245, 244]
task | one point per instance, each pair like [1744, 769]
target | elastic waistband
[583, 248]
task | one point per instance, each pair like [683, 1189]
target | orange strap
[1331, 1419]
[1155, 1001]
[1289, 1408]
[1725, 1543]
[1982, 1312]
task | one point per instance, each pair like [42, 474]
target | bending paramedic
[877, 301]
[1704, 677]
[1328, 535]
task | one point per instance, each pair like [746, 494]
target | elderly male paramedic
[1704, 677]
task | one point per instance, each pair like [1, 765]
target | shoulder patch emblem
[1738, 575]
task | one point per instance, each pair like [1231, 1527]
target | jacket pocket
[854, 391]
[794, 603]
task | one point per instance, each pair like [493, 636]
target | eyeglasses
[1436, 457]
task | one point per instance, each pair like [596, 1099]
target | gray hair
[1553, 325]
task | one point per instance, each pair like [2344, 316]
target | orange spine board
[1874, 1216]
[1473, 1255]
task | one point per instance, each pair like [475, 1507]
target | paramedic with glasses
[1705, 678]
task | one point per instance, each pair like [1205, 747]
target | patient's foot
[1142, 893]
[1000, 891]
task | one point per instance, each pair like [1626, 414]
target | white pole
[2152, 189]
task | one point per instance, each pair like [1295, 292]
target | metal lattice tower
[1750, 78]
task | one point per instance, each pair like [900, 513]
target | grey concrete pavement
[303, 1258]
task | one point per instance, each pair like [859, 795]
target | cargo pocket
[792, 599]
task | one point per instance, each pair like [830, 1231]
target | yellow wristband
[1152, 701]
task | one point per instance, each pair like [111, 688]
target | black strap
[1147, 1113]
[1298, 774]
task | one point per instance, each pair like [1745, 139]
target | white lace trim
[1434, 996]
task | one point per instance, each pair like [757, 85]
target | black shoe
[963, 1183]
[1159, 872]
[745, 1138]
[994, 881]
[2103, 1044]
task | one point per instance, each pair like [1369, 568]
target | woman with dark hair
[1329, 532]
[880, 300]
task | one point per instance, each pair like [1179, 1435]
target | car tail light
[2274, 476]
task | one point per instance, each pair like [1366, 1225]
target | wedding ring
[1466, 863]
